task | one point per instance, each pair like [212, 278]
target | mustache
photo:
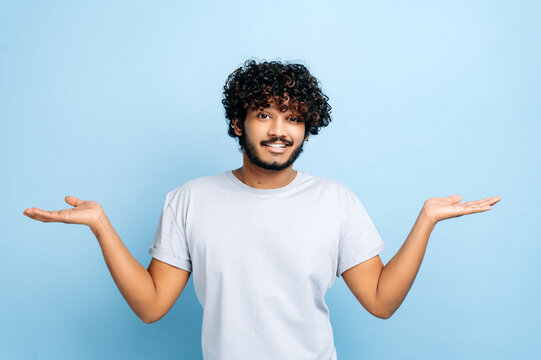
[286, 142]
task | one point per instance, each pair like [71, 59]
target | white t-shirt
[262, 260]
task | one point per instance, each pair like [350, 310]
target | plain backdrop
[120, 102]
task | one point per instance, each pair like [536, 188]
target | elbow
[384, 314]
[148, 319]
[148, 314]
[383, 309]
[379, 312]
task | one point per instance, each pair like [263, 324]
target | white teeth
[276, 145]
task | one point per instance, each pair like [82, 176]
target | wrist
[425, 218]
[99, 225]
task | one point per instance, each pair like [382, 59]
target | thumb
[73, 201]
[454, 198]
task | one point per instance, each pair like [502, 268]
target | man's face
[272, 139]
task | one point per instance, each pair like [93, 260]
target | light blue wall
[120, 102]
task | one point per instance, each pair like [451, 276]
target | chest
[281, 238]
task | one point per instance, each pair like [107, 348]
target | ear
[237, 126]
[306, 137]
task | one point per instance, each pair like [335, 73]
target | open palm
[438, 209]
[83, 212]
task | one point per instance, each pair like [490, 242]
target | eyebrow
[270, 109]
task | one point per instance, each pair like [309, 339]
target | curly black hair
[255, 85]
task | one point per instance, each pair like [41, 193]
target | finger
[474, 204]
[33, 214]
[453, 199]
[469, 205]
[470, 210]
[58, 215]
[488, 201]
[477, 203]
[480, 209]
[30, 212]
[73, 201]
[49, 216]
[41, 218]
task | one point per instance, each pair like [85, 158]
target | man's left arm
[381, 289]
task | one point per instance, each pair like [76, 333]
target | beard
[250, 149]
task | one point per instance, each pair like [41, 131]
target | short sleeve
[170, 245]
[359, 239]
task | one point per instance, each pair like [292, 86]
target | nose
[278, 127]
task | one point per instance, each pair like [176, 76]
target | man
[265, 242]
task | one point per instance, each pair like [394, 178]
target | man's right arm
[150, 293]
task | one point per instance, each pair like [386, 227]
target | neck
[259, 178]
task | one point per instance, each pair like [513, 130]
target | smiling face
[271, 139]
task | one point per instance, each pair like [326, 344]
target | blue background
[121, 103]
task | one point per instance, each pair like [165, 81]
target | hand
[84, 213]
[437, 209]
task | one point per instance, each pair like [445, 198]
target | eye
[294, 119]
[262, 116]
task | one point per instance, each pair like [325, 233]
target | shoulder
[332, 191]
[331, 185]
[205, 185]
